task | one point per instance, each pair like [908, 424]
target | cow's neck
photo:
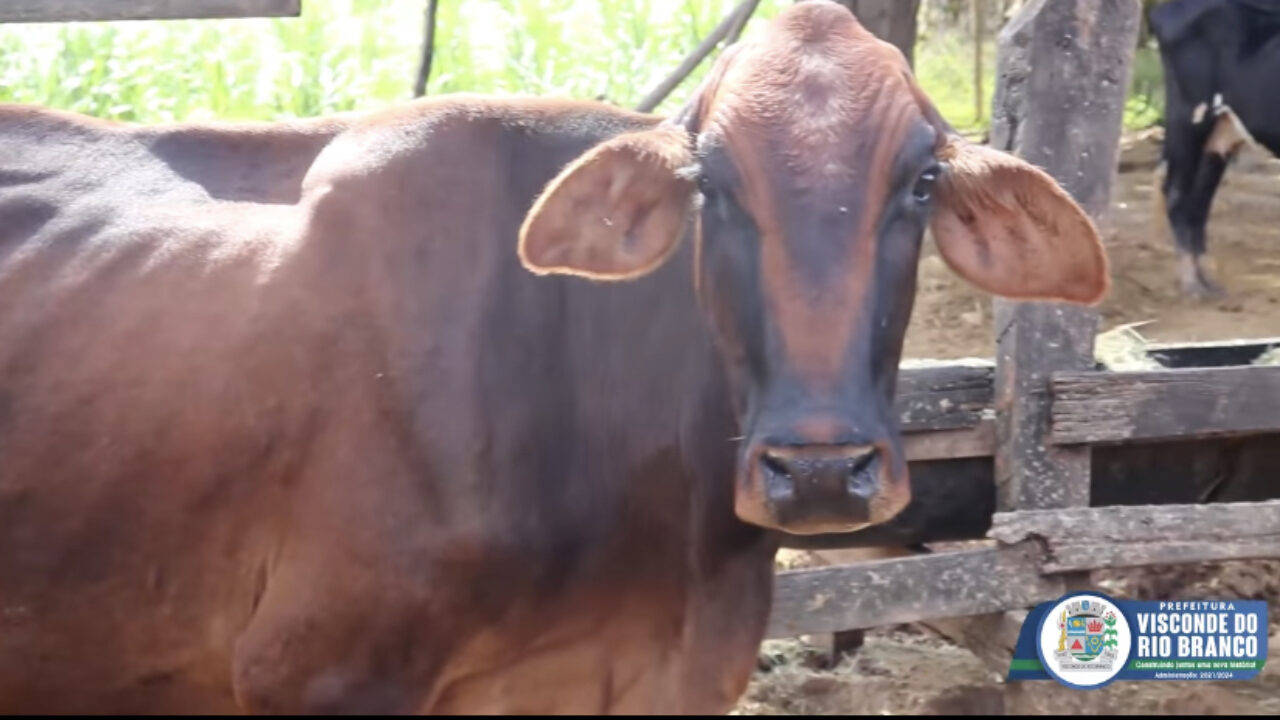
[557, 417]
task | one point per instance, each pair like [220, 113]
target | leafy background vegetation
[360, 54]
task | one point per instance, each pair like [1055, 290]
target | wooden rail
[31, 11]
[945, 397]
[1035, 552]
[945, 411]
[886, 592]
[976, 441]
[1097, 407]
[1112, 537]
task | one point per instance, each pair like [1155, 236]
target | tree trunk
[890, 20]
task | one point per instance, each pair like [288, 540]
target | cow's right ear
[615, 213]
[1007, 227]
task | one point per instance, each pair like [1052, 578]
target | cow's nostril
[862, 463]
[862, 475]
[779, 482]
[795, 485]
[775, 464]
[848, 467]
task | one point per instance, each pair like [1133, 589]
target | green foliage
[944, 68]
[348, 54]
[360, 54]
[1146, 95]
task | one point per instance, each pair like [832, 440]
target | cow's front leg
[1190, 227]
[321, 642]
[1195, 281]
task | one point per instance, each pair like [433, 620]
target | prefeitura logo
[1084, 641]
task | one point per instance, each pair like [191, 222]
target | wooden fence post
[1063, 74]
[1062, 77]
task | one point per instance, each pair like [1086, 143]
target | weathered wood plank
[1098, 557]
[885, 592]
[943, 397]
[1138, 523]
[977, 441]
[959, 395]
[1034, 542]
[1131, 536]
[1093, 407]
[29, 11]
[1036, 340]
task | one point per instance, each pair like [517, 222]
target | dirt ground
[952, 319]
[912, 670]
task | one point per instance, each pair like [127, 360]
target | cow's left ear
[615, 213]
[1010, 229]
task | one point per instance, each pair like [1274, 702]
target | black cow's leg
[1207, 180]
[1188, 213]
[1172, 193]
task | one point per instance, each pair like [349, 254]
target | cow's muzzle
[817, 488]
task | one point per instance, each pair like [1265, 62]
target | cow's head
[818, 163]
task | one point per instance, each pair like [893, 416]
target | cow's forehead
[817, 89]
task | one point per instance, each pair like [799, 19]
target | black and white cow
[1221, 63]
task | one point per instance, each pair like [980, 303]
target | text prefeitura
[1197, 634]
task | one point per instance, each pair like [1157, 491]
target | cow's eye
[923, 189]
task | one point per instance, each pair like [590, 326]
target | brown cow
[318, 417]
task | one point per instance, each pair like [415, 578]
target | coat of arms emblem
[1087, 637]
